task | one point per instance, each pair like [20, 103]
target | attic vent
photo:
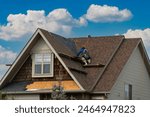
[83, 54]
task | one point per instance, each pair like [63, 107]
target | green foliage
[0, 96]
[58, 93]
[3, 96]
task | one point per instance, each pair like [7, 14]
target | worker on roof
[84, 55]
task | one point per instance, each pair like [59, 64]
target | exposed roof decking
[41, 85]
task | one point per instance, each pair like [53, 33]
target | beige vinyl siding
[40, 47]
[136, 74]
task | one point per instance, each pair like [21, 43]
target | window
[42, 65]
[128, 91]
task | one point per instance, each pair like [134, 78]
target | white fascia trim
[56, 54]
[19, 56]
[100, 92]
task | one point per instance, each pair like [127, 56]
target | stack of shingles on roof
[111, 51]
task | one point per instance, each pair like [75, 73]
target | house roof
[109, 55]
[15, 87]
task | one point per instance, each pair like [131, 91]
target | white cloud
[3, 70]
[144, 34]
[138, 33]
[98, 13]
[6, 57]
[58, 20]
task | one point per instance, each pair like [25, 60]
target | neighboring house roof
[109, 55]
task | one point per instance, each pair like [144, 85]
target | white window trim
[51, 74]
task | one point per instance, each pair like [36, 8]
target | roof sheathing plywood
[40, 85]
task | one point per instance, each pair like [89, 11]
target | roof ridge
[99, 76]
[138, 38]
[96, 37]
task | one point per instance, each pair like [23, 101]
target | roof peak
[120, 36]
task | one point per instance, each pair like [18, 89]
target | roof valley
[111, 57]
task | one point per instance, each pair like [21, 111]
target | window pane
[46, 68]
[37, 69]
[38, 58]
[126, 91]
[47, 58]
[130, 92]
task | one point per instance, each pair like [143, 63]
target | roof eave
[39, 92]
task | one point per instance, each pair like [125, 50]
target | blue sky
[70, 18]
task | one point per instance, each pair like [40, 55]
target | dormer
[42, 60]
